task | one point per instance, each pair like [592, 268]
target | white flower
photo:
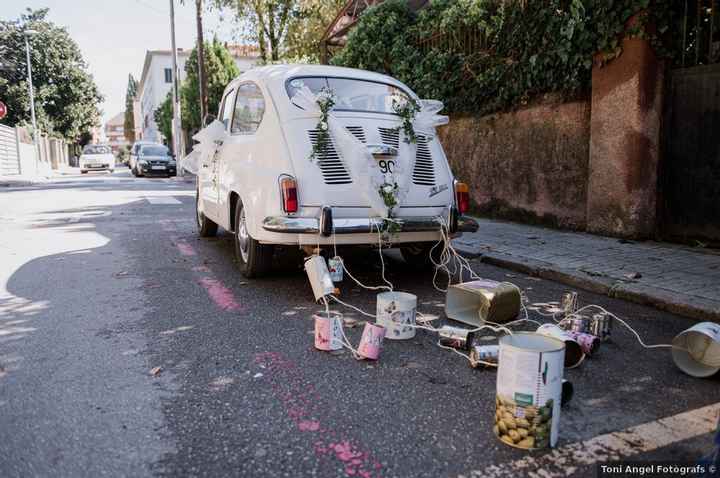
[388, 188]
[323, 125]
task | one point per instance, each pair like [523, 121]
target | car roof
[274, 77]
[282, 73]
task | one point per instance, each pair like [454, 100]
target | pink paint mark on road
[185, 248]
[201, 269]
[221, 295]
[302, 403]
[308, 425]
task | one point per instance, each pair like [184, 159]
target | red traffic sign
[3, 110]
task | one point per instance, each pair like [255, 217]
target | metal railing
[699, 26]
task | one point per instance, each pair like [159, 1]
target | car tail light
[462, 197]
[288, 188]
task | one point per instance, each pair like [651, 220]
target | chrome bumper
[312, 225]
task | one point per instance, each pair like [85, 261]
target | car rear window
[95, 149]
[155, 151]
[351, 94]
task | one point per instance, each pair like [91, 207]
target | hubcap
[243, 238]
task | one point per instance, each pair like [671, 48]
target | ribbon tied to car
[205, 149]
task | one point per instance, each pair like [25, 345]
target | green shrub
[525, 51]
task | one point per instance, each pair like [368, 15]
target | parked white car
[263, 182]
[96, 157]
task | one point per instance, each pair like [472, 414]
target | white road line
[643, 438]
[162, 200]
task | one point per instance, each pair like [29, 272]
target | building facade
[115, 132]
[156, 82]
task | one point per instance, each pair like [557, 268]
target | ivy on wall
[483, 56]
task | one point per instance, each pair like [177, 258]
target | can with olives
[529, 389]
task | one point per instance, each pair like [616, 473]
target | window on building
[168, 75]
[249, 109]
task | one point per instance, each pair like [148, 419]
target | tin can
[484, 353]
[396, 312]
[328, 331]
[319, 277]
[601, 326]
[529, 390]
[568, 303]
[588, 342]
[456, 337]
[335, 267]
[696, 351]
[371, 341]
[573, 351]
[576, 324]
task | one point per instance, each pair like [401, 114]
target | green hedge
[544, 46]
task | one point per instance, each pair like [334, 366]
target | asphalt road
[103, 278]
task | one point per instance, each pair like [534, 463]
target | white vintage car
[275, 172]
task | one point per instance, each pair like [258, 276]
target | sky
[113, 35]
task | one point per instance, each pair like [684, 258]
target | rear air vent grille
[331, 167]
[358, 132]
[424, 172]
[390, 136]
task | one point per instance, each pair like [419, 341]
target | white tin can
[335, 267]
[696, 351]
[396, 312]
[529, 390]
[320, 281]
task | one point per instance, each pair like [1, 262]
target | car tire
[206, 227]
[417, 256]
[254, 259]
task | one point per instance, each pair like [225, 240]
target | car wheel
[254, 259]
[206, 227]
[417, 255]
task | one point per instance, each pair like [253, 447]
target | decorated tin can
[371, 341]
[335, 267]
[588, 342]
[529, 390]
[328, 331]
[396, 312]
[573, 350]
[484, 353]
[576, 324]
[456, 337]
[568, 303]
[601, 326]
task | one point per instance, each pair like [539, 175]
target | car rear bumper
[321, 225]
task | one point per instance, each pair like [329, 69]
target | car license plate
[158, 167]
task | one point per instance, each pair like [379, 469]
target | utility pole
[202, 77]
[175, 94]
[26, 34]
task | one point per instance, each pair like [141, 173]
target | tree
[66, 96]
[163, 117]
[220, 69]
[129, 124]
[265, 22]
[307, 27]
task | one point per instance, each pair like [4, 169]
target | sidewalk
[675, 278]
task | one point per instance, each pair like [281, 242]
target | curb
[688, 306]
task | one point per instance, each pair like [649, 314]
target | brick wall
[529, 165]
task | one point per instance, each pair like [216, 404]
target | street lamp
[26, 34]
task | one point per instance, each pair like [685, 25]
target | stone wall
[529, 165]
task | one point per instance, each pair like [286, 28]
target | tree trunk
[202, 75]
